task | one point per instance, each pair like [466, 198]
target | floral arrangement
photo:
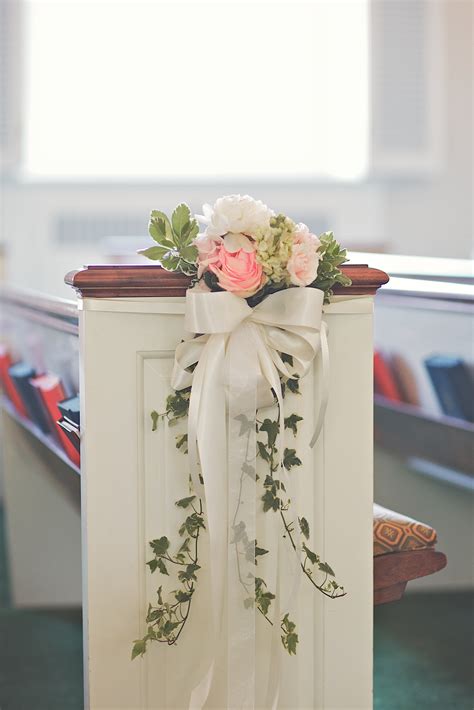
[251, 252]
[245, 249]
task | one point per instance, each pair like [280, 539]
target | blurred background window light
[158, 102]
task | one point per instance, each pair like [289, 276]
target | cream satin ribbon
[227, 329]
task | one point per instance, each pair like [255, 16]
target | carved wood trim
[144, 280]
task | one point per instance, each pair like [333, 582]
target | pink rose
[304, 260]
[238, 272]
[207, 252]
[302, 235]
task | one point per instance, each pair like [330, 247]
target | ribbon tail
[325, 384]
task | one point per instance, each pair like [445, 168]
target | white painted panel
[132, 475]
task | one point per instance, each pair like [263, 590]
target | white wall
[433, 216]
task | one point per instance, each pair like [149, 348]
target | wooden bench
[404, 549]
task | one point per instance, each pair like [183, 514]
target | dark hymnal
[21, 374]
[70, 410]
[453, 385]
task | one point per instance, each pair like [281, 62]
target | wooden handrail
[143, 280]
[50, 311]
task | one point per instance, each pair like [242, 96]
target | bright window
[173, 89]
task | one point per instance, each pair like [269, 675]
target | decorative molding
[134, 281]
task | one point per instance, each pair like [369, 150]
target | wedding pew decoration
[254, 312]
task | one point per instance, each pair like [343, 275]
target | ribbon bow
[238, 358]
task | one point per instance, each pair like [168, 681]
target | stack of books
[449, 375]
[42, 399]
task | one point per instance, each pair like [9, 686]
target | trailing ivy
[167, 618]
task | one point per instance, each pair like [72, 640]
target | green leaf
[271, 428]
[260, 551]
[182, 443]
[189, 573]
[139, 648]
[262, 451]
[185, 502]
[152, 564]
[160, 546]
[160, 598]
[246, 424]
[290, 459]
[249, 603]
[171, 261]
[324, 567]
[182, 597]
[249, 471]
[169, 627]
[154, 253]
[185, 546]
[270, 501]
[161, 566]
[154, 419]
[159, 228]
[264, 600]
[293, 385]
[180, 220]
[189, 253]
[304, 527]
[312, 556]
[290, 642]
[287, 358]
[291, 422]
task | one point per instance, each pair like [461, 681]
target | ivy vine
[167, 618]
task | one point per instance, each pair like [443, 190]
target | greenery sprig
[175, 249]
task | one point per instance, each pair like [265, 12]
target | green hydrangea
[274, 247]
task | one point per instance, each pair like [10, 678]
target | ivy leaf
[312, 556]
[259, 551]
[185, 546]
[291, 643]
[324, 567]
[249, 471]
[182, 443]
[185, 502]
[270, 501]
[287, 358]
[272, 429]
[246, 424]
[262, 451]
[169, 627]
[152, 564]
[304, 527]
[154, 420]
[182, 596]
[291, 422]
[290, 459]
[249, 602]
[161, 566]
[160, 546]
[293, 385]
[264, 600]
[139, 648]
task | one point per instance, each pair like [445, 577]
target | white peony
[235, 213]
